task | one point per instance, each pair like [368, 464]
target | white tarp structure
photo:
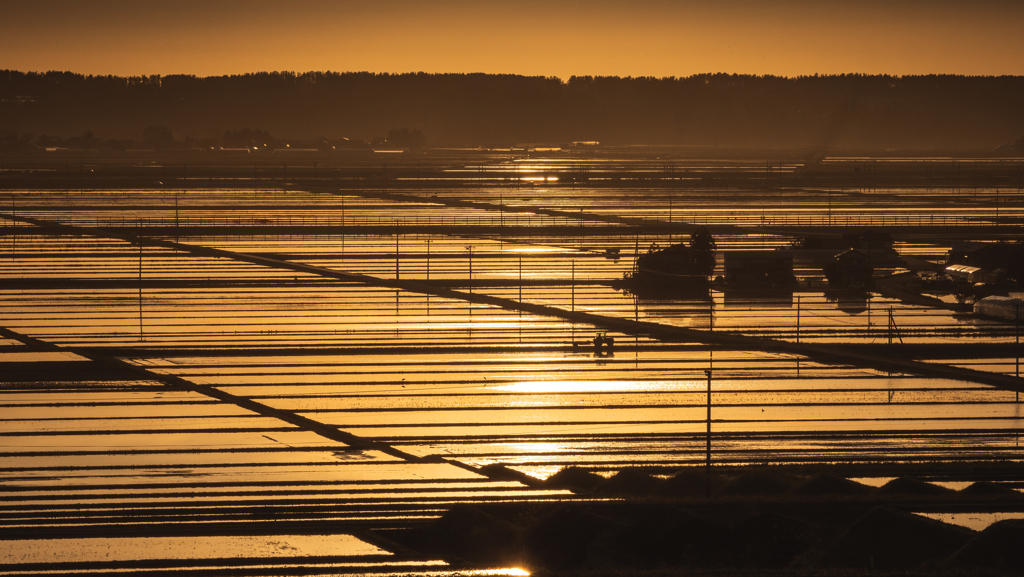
[999, 307]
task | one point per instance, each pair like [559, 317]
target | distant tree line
[839, 111]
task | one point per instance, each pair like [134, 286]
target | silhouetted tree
[247, 137]
[86, 140]
[703, 245]
[404, 138]
[850, 110]
[47, 141]
[158, 136]
[10, 142]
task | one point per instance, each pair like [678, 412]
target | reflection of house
[971, 274]
[759, 268]
[869, 240]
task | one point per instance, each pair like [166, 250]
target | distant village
[985, 275]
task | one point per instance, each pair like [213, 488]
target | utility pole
[470, 247]
[176, 224]
[890, 326]
[893, 328]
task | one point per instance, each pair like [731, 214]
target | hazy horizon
[553, 39]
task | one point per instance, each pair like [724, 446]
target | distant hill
[834, 112]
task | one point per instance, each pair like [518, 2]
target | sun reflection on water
[599, 386]
[538, 447]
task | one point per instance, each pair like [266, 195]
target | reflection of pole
[1016, 338]
[711, 313]
[573, 286]
[428, 259]
[140, 291]
[636, 255]
[520, 282]
[798, 319]
[470, 270]
[398, 272]
[708, 461]
[520, 299]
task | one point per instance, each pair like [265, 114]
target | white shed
[970, 274]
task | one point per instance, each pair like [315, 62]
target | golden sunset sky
[553, 38]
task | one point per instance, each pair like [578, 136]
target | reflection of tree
[963, 292]
[847, 301]
[652, 293]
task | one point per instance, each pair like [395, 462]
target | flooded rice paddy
[149, 381]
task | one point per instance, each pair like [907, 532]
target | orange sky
[553, 38]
